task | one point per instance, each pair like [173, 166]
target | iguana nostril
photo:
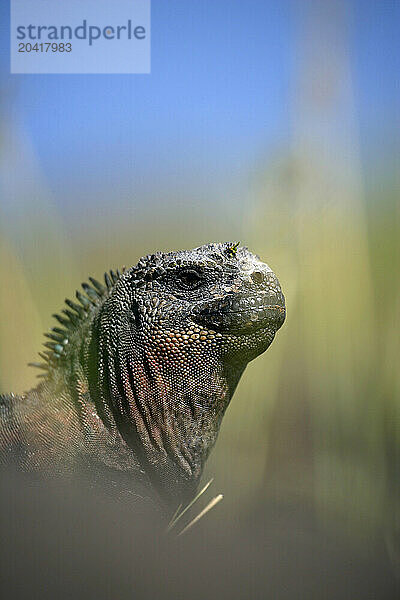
[257, 277]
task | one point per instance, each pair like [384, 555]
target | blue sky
[217, 102]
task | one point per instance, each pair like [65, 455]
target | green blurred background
[275, 124]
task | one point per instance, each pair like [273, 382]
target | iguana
[138, 376]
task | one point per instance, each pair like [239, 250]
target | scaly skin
[138, 379]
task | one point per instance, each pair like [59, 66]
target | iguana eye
[189, 278]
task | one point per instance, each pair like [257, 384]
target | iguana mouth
[242, 321]
[266, 317]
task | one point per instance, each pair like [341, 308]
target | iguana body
[140, 373]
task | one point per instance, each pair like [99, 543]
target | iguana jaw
[244, 321]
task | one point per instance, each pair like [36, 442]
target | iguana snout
[249, 301]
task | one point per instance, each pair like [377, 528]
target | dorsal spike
[107, 281]
[71, 316]
[75, 307]
[49, 345]
[61, 332]
[37, 365]
[99, 287]
[114, 276]
[91, 293]
[46, 355]
[58, 348]
[55, 338]
[62, 321]
[82, 299]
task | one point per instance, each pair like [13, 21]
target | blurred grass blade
[178, 515]
[170, 524]
[205, 510]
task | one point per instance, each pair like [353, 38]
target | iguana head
[218, 299]
[166, 347]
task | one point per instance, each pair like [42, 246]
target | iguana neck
[169, 420]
